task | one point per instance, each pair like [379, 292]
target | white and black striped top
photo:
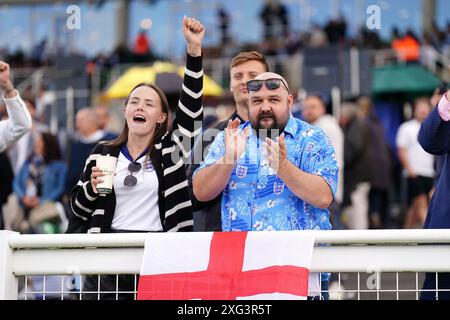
[93, 213]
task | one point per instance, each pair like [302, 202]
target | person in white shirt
[19, 121]
[417, 164]
[314, 111]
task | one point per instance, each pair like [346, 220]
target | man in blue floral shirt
[282, 184]
[270, 181]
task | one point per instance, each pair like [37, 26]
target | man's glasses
[271, 84]
[130, 180]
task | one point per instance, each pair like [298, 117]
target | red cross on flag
[226, 265]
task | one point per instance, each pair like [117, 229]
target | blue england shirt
[255, 199]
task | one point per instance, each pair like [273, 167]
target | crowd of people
[278, 36]
[360, 184]
[266, 168]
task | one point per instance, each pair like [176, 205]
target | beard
[267, 126]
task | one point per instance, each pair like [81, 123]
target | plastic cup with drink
[107, 164]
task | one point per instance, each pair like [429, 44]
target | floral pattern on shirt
[255, 199]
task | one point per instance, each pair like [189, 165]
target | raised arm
[189, 114]
[19, 121]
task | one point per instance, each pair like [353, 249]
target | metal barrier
[375, 264]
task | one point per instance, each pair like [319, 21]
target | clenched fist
[193, 32]
[5, 80]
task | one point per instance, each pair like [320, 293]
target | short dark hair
[246, 56]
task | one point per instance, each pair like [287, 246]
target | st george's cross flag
[226, 265]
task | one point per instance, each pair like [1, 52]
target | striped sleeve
[189, 114]
[82, 197]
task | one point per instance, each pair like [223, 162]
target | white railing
[374, 251]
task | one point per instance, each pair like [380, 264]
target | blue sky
[21, 26]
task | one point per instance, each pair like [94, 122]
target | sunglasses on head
[271, 84]
[130, 180]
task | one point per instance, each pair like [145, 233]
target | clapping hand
[276, 152]
[235, 141]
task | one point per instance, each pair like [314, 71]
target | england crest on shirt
[278, 188]
[148, 166]
[241, 171]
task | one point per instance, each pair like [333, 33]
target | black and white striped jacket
[96, 212]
